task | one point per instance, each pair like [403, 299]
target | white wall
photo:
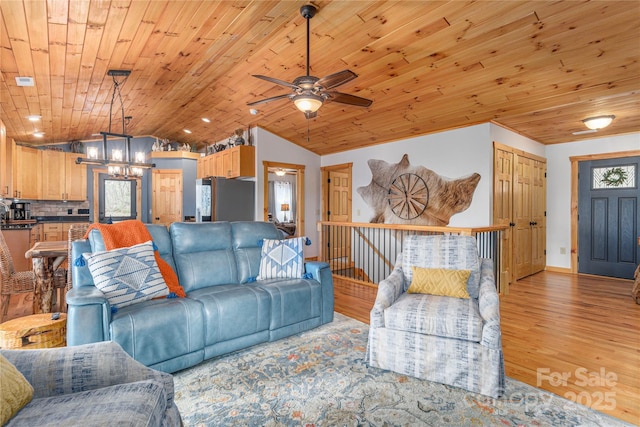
[559, 188]
[453, 154]
[272, 148]
[512, 139]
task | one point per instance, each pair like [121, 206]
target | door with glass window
[608, 217]
[117, 199]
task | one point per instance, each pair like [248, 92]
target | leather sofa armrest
[389, 290]
[321, 272]
[88, 316]
[489, 306]
[65, 370]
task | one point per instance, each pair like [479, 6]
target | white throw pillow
[282, 259]
[127, 275]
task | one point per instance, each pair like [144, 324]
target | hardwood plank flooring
[573, 335]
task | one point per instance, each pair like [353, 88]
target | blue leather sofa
[225, 309]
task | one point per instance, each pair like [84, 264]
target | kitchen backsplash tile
[50, 208]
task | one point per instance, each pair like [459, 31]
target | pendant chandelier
[119, 161]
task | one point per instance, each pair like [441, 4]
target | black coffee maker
[21, 210]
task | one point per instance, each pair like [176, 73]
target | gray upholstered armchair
[449, 340]
[92, 385]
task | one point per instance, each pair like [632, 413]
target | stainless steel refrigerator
[220, 199]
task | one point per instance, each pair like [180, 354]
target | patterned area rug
[319, 378]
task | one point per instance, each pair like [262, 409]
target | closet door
[538, 216]
[503, 210]
[522, 216]
[519, 201]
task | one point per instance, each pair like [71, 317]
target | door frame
[299, 171]
[575, 192]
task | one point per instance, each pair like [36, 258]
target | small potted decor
[238, 138]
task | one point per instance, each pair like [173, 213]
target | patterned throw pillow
[282, 259]
[15, 390]
[440, 281]
[127, 275]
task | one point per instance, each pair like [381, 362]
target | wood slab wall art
[404, 194]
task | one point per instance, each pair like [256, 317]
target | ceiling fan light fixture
[598, 122]
[308, 103]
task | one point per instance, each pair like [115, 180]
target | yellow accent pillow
[15, 390]
[439, 281]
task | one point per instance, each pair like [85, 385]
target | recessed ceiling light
[33, 118]
[206, 120]
[25, 81]
[38, 134]
[187, 131]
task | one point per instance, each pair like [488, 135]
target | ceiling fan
[310, 92]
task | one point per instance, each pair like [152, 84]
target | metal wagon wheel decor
[408, 196]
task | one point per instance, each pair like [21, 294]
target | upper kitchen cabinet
[27, 179]
[233, 162]
[62, 178]
[238, 161]
[7, 154]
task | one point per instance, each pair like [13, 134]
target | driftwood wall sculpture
[404, 194]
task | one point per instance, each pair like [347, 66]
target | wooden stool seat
[35, 331]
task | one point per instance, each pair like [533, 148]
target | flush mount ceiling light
[38, 134]
[598, 122]
[186, 131]
[33, 118]
[206, 120]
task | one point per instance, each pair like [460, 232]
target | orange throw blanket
[133, 232]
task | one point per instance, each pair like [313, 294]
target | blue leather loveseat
[225, 310]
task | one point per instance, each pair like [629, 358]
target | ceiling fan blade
[273, 98]
[336, 79]
[345, 98]
[276, 81]
[310, 115]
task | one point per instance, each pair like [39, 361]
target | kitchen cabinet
[205, 166]
[52, 231]
[238, 161]
[233, 162]
[27, 177]
[62, 178]
[7, 154]
[36, 234]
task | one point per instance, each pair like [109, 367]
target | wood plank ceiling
[536, 67]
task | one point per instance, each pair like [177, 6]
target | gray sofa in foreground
[92, 385]
[226, 308]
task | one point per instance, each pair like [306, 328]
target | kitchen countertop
[62, 218]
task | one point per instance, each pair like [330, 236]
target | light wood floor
[573, 335]
[553, 325]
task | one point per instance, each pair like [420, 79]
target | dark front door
[608, 217]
